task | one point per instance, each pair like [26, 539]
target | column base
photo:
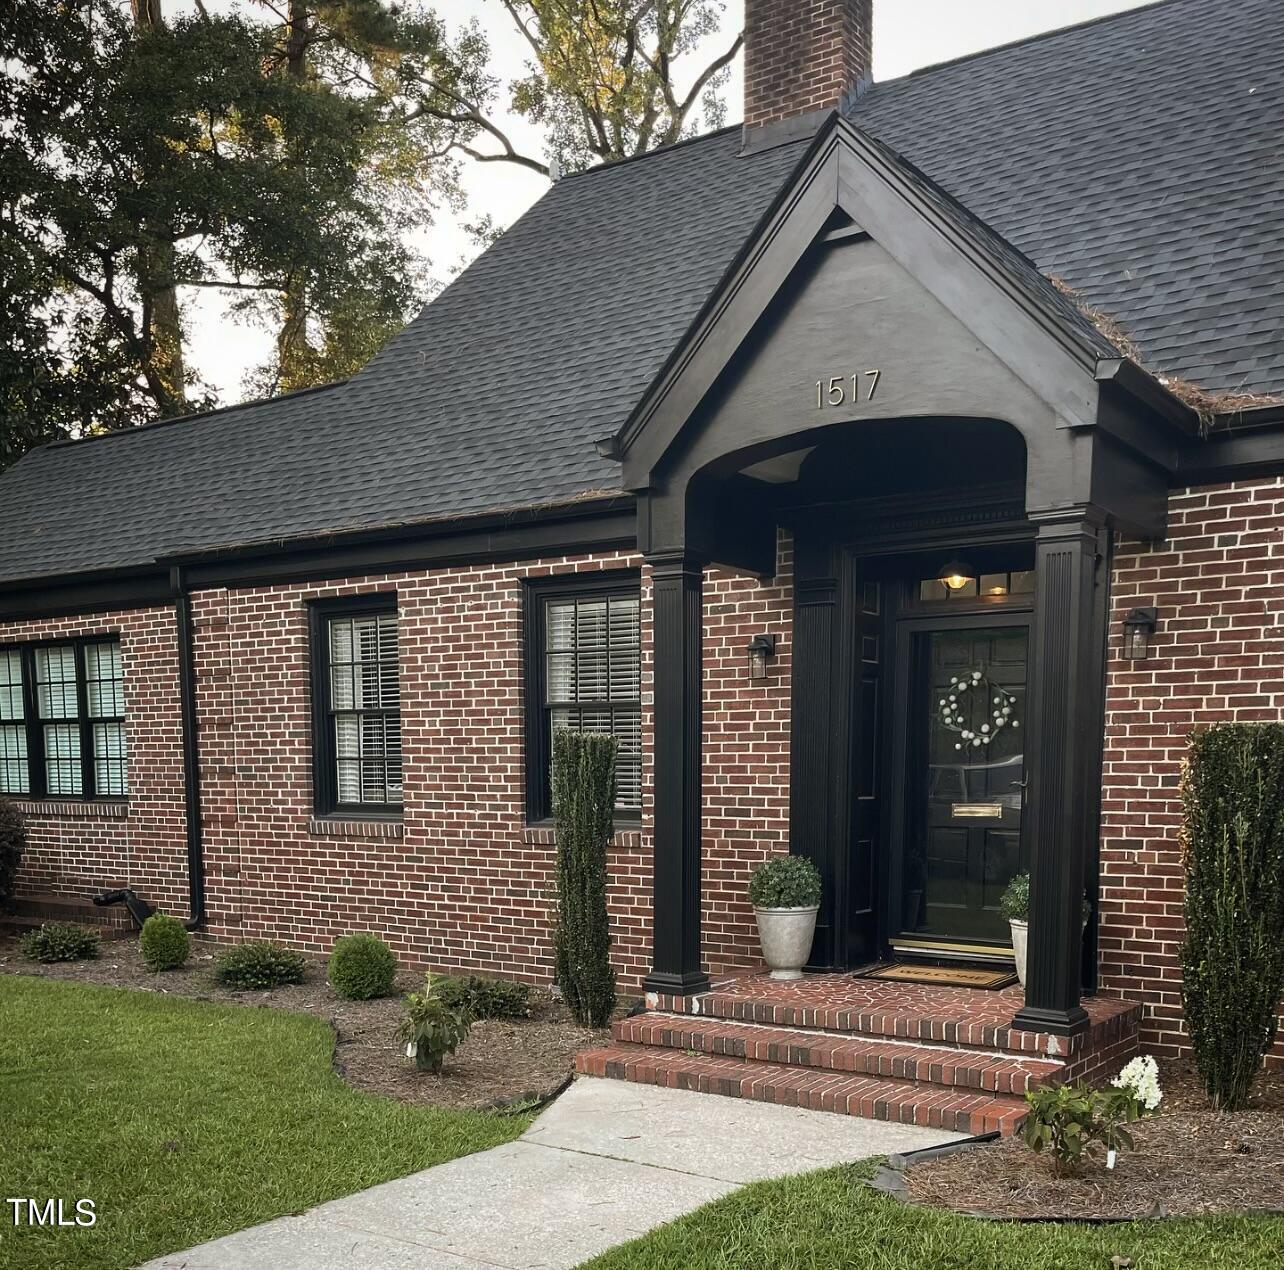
[1034, 1018]
[689, 983]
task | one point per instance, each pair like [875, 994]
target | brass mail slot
[963, 811]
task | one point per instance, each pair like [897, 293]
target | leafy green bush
[61, 941]
[1014, 903]
[362, 967]
[258, 964]
[164, 942]
[13, 841]
[584, 805]
[785, 881]
[487, 998]
[432, 1028]
[1233, 956]
[1067, 1120]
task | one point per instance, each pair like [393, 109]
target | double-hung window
[583, 673]
[356, 706]
[62, 720]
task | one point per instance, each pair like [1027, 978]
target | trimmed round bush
[258, 964]
[362, 967]
[785, 881]
[164, 942]
[13, 841]
[61, 941]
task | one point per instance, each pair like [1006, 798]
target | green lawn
[826, 1220]
[183, 1121]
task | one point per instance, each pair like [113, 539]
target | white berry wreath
[1002, 709]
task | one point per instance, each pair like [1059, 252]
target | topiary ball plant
[13, 841]
[1014, 903]
[258, 964]
[164, 942]
[61, 941]
[362, 967]
[785, 881]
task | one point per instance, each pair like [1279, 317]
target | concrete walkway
[605, 1163]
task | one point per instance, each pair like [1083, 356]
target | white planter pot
[1020, 942]
[786, 935]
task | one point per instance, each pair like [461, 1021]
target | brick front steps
[945, 1058]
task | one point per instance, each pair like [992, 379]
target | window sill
[543, 832]
[349, 827]
[73, 808]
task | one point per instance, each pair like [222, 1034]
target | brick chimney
[801, 56]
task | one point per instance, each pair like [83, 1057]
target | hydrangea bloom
[1141, 1075]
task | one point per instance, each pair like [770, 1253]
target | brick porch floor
[919, 1054]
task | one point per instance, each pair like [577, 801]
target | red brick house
[964, 378]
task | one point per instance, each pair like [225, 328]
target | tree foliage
[1233, 957]
[584, 807]
[606, 80]
[141, 158]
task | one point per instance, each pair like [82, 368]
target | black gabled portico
[868, 307]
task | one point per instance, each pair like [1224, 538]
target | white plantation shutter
[592, 673]
[15, 778]
[365, 702]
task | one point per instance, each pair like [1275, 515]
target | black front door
[957, 839]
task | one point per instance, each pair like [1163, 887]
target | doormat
[943, 976]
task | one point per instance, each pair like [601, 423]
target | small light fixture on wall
[955, 575]
[1139, 626]
[762, 648]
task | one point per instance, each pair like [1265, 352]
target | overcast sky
[907, 34]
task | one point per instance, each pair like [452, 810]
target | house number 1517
[847, 388]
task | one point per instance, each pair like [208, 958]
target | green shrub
[432, 1027]
[584, 806]
[13, 841]
[164, 942]
[258, 964]
[61, 941]
[488, 998]
[362, 967]
[1014, 903]
[1067, 1120]
[785, 881]
[1233, 956]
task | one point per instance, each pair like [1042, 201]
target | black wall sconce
[1139, 626]
[762, 648]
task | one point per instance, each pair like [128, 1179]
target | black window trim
[537, 593]
[325, 793]
[37, 770]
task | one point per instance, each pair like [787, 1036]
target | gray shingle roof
[1139, 158]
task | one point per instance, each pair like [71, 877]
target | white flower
[1141, 1075]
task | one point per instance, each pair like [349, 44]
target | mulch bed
[502, 1063]
[1189, 1161]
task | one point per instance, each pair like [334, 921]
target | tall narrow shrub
[13, 841]
[1233, 958]
[584, 807]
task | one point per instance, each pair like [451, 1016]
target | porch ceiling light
[762, 648]
[1139, 626]
[955, 575]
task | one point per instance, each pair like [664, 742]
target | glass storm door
[965, 780]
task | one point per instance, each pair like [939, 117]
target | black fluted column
[677, 627]
[1066, 713]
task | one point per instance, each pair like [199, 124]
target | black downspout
[191, 752]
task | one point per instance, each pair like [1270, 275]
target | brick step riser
[962, 1069]
[928, 1106]
[895, 1028]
